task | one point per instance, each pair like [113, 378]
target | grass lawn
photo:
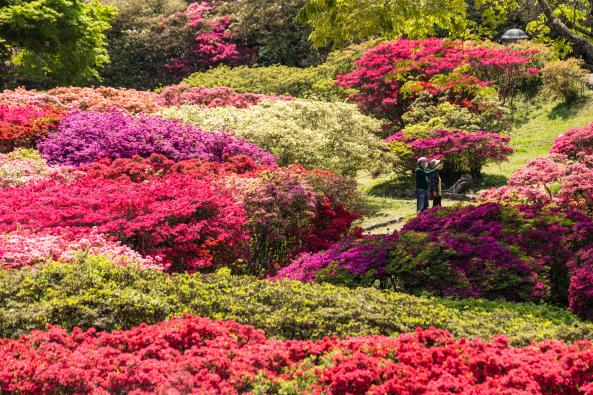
[535, 137]
[532, 139]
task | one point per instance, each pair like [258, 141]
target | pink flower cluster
[24, 248]
[462, 151]
[196, 355]
[176, 95]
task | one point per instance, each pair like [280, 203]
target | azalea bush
[564, 79]
[185, 222]
[24, 248]
[97, 293]
[84, 137]
[332, 136]
[177, 95]
[23, 126]
[105, 99]
[462, 151]
[490, 251]
[226, 357]
[390, 76]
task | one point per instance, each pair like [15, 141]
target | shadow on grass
[566, 110]
[394, 188]
[491, 181]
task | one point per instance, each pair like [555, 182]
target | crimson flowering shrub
[177, 95]
[84, 137]
[390, 76]
[196, 355]
[462, 151]
[23, 126]
[106, 98]
[24, 248]
[183, 221]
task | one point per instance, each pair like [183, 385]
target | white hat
[422, 159]
[435, 162]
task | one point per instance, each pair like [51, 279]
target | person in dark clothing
[421, 175]
[435, 185]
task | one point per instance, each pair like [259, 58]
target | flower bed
[193, 354]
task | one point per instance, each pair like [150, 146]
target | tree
[48, 42]
[340, 22]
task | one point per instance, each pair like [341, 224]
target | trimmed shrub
[333, 136]
[310, 82]
[85, 137]
[177, 95]
[98, 294]
[196, 355]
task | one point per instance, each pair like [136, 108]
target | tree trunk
[581, 44]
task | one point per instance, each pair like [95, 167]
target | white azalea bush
[331, 135]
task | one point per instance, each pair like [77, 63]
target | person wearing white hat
[435, 185]
[421, 175]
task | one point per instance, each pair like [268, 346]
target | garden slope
[98, 294]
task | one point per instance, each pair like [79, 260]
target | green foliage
[272, 28]
[309, 82]
[339, 22]
[145, 36]
[98, 294]
[430, 113]
[564, 79]
[53, 42]
[330, 135]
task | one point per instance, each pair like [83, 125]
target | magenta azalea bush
[462, 151]
[490, 250]
[85, 137]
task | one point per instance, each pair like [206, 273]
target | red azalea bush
[196, 355]
[462, 151]
[185, 221]
[177, 95]
[23, 126]
[391, 75]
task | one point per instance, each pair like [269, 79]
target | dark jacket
[421, 177]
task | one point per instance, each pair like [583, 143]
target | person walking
[421, 175]
[435, 184]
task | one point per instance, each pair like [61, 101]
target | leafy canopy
[59, 41]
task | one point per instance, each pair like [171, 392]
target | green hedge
[98, 294]
[308, 83]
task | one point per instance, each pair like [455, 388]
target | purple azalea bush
[86, 136]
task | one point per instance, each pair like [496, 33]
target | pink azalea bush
[176, 95]
[85, 137]
[22, 167]
[462, 151]
[25, 248]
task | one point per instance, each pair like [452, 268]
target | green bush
[334, 136]
[309, 82]
[97, 294]
[564, 79]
